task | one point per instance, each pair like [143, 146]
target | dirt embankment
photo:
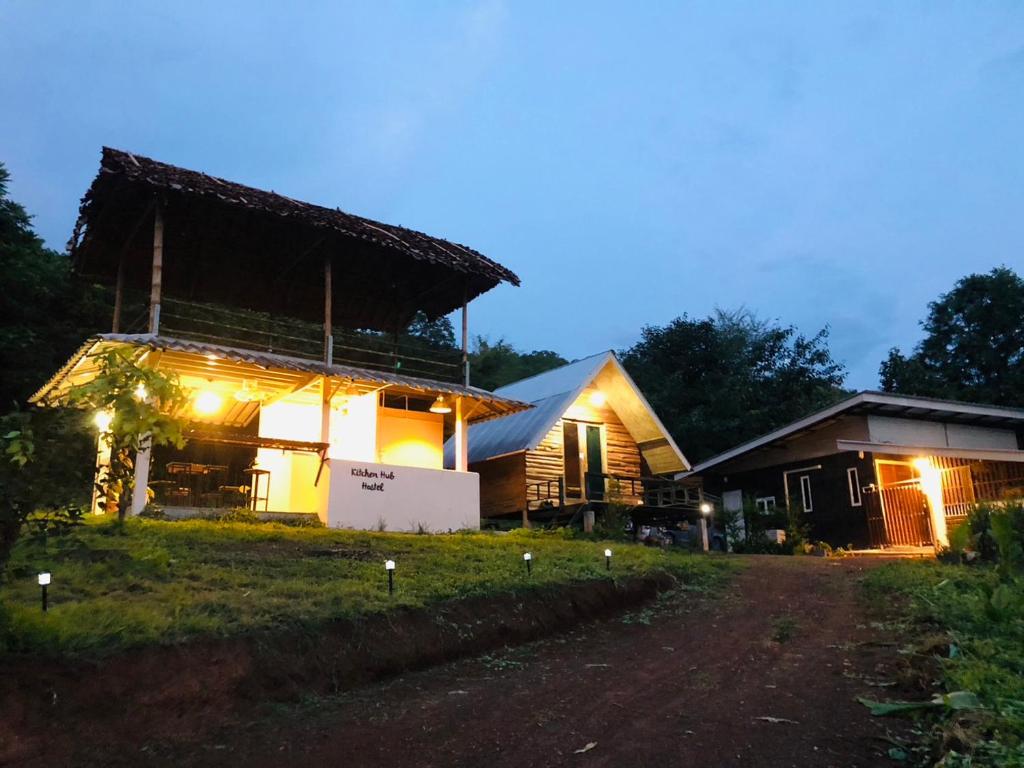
[49, 709]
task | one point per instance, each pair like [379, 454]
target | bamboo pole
[328, 313]
[465, 339]
[156, 283]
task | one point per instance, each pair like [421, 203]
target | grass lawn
[972, 623]
[165, 582]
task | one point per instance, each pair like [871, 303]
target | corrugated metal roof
[273, 360]
[568, 378]
[513, 433]
[551, 393]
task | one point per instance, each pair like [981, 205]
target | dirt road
[764, 674]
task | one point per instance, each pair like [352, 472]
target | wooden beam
[465, 337]
[328, 310]
[156, 279]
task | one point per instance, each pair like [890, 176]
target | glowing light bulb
[597, 398]
[208, 403]
[102, 420]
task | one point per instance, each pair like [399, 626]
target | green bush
[992, 532]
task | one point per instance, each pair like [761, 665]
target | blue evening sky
[819, 163]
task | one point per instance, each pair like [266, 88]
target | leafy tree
[435, 333]
[144, 407]
[44, 313]
[973, 347]
[724, 379]
[39, 468]
[496, 364]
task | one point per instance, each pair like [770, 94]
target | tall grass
[151, 581]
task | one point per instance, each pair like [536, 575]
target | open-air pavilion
[336, 428]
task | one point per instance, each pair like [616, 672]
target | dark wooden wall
[502, 485]
[833, 518]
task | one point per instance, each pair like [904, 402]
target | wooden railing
[545, 493]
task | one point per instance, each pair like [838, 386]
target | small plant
[382, 524]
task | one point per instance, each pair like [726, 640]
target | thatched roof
[231, 244]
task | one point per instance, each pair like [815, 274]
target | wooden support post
[465, 340]
[156, 280]
[704, 533]
[328, 313]
[325, 410]
[461, 446]
[140, 493]
[115, 324]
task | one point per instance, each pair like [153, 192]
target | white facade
[383, 467]
[392, 497]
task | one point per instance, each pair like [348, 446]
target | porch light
[389, 566]
[597, 398]
[608, 559]
[44, 582]
[705, 508]
[528, 558]
[207, 403]
[102, 420]
[440, 406]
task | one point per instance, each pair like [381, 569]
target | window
[765, 504]
[805, 492]
[854, 480]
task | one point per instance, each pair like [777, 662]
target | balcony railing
[260, 331]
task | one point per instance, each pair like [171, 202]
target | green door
[595, 464]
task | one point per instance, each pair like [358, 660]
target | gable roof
[552, 392]
[881, 404]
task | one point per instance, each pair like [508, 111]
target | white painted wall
[403, 497]
[933, 434]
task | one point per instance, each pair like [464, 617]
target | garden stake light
[608, 559]
[389, 566]
[529, 563]
[44, 582]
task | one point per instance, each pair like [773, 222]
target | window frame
[765, 510]
[853, 481]
[805, 493]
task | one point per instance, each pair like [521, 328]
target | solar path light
[44, 582]
[389, 566]
[608, 559]
[528, 558]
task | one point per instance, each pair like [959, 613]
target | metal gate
[898, 515]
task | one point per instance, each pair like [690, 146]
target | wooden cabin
[877, 469]
[326, 423]
[590, 437]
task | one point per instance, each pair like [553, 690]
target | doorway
[583, 455]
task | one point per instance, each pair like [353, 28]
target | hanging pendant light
[440, 406]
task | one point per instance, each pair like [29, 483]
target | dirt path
[764, 675]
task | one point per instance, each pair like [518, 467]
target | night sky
[818, 163]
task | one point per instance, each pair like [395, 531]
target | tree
[437, 333]
[39, 467]
[143, 407]
[973, 347]
[44, 313]
[724, 379]
[496, 364]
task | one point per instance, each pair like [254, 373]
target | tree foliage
[144, 406]
[724, 379]
[973, 347]
[40, 467]
[495, 364]
[44, 314]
